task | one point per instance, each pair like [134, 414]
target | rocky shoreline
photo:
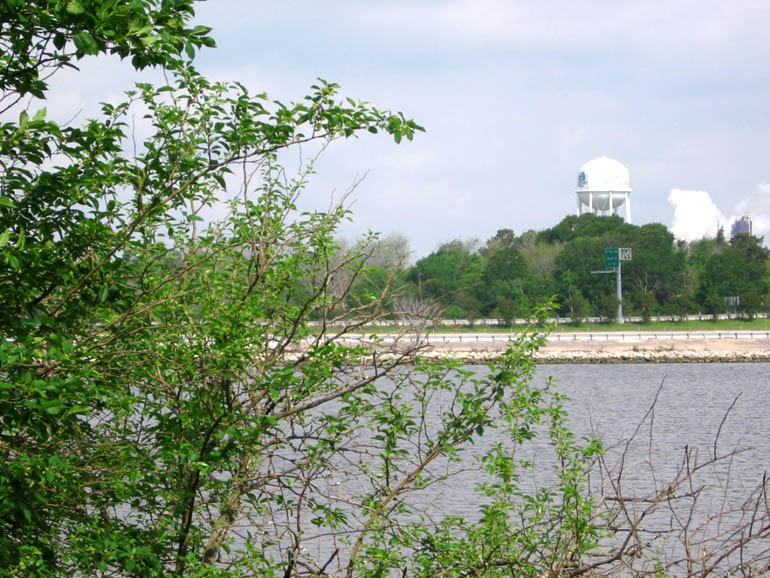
[652, 351]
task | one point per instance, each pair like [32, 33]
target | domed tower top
[604, 188]
[603, 175]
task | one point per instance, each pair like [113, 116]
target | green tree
[166, 407]
[647, 305]
[574, 227]
[715, 305]
[504, 278]
[751, 248]
[657, 266]
[751, 304]
[40, 37]
[573, 269]
[143, 350]
[450, 273]
[608, 308]
[730, 273]
[576, 305]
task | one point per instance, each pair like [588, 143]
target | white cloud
[695, 215]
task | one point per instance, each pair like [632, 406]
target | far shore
[648, 351]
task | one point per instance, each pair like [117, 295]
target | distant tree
[450, 273]
[729, 273]
[574, 265]
[680, 306]
[574, 227]
[577, 309]
[504, 277]
[390, 252]
[507, 309]
[751, 304]
[656, 267]
[608, 307]
[714, 305]
[647, 304]
[541, 258]
[502, 239]
[527, 239]
[505, 264]
[751, 248]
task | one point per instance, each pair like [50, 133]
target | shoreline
[650, 351]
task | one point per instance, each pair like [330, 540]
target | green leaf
[75, 7]
[85, 43]
[79, 410]
[149, 40]
[4, 237]
[40, 115]
[59, 41]
[54, 407]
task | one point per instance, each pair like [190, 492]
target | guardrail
[492, 322]
[626, 336]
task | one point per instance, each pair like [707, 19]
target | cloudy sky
[515, 96]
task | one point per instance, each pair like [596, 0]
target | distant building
[604, 188]
[741, 227]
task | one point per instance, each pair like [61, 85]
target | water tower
[604, 188]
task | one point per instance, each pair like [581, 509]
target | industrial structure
[741, 227]
[604, 188]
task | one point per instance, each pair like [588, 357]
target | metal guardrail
[492, 322]
[625, 336]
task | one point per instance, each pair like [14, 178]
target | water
[609, 401]
[655, 420]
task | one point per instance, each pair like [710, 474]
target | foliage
[751, 303]
[663, 275]
[166, 408]
[449, 273]
[40, 37]
[751, 248]
[577, 308]
[143, 349]
[608, 307]
[574, 227]
[728, 274]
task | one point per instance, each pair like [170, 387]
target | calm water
[610, 401]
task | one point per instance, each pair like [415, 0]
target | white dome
[603, 175]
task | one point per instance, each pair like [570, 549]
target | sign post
[612, 259]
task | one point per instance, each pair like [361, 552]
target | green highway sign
[611, 258]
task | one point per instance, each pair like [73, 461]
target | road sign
[611, 258]
[625, 254]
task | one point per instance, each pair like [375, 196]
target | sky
[515, 96]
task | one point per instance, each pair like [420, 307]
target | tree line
[508, 276]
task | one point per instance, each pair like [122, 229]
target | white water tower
[604, 188]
